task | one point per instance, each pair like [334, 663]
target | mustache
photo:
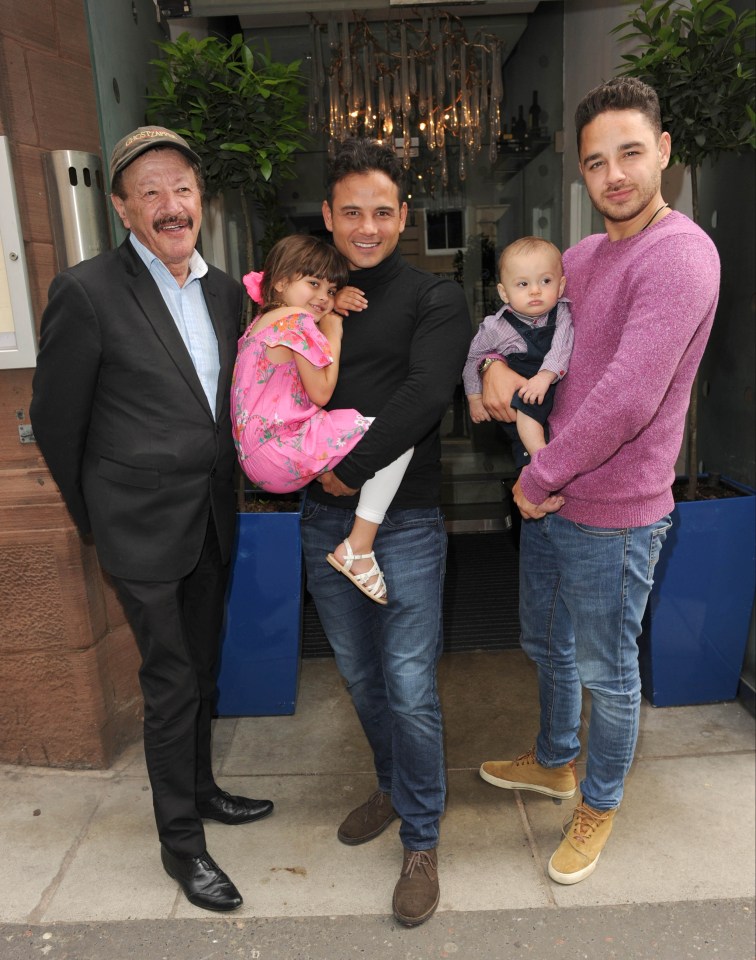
[161, 222]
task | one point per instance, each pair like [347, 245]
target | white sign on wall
[18, 341]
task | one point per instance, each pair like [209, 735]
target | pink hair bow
[253, 283]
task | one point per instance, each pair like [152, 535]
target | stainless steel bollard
[76, 191]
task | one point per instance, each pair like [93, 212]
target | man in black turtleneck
[401, 358]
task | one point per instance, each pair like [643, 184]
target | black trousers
[177, 627]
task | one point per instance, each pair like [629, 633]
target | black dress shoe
[233, 810]
[203, 881]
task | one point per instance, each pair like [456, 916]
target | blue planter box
[260, 653]
[696, 625]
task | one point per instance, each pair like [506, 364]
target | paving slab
[45, 814]
[114, 872]
[323, 736]
[490, 704]
[673, 837]
[690, 731]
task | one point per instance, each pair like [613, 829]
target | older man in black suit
[131, 411]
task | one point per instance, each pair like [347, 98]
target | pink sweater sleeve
[641, 318]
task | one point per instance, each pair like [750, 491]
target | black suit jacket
[123, 422]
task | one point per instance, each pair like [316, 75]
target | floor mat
[480, 597]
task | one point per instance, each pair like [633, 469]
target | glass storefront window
[463, 208]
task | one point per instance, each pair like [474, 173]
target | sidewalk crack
[534, 848]
[48, 894]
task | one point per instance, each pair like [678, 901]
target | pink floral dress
[282, 438]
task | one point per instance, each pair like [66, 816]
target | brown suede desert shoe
[417, 893]
[368, 820]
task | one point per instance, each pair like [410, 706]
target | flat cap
[138, 141]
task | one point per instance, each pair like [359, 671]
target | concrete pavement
[80, 874]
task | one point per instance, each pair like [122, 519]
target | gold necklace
[655, 216]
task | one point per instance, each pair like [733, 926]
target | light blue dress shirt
[189, 311]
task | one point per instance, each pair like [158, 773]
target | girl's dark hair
[621, 93]
[301, 255]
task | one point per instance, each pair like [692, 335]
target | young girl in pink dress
[285, 372]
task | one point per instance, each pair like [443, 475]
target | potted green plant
[244, 115]
[242, 112]
[699, 58]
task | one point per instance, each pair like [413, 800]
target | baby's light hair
[528, 245]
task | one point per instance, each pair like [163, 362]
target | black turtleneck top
[400, 361]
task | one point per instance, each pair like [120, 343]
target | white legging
[378, 492]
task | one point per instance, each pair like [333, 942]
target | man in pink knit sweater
[596, 500]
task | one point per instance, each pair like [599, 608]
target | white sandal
[376, 590]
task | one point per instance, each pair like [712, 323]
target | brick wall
[68, 684]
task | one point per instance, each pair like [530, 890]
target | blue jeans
[583, 591]
[388, 654]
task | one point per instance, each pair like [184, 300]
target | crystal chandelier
[422, 86]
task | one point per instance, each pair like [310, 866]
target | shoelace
[583, 822]
[528, 758]
[374, 800]
[420, 859]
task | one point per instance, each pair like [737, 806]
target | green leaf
[243, 112]
[699, 58]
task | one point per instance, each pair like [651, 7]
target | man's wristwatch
[486, 364]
